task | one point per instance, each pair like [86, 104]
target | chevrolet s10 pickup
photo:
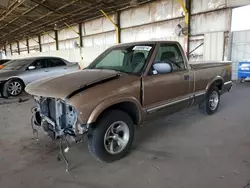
[124, 87]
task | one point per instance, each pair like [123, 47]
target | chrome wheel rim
[15, 88]
[214, 100]
[116, 137]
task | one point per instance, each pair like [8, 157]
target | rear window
[56, 62]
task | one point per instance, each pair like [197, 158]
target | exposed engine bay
[56, 118]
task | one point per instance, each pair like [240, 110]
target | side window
[170, 55]
[40, 64]
[56, 63]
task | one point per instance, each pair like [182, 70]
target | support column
[81, 45]
[39, 42]
[56, 38]
[11, 50]
[28, 47]
[188, 6]
[5, 51]
[80, 35]
[117, 26]
[18, 48]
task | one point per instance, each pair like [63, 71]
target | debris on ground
[247, 185]
[20, 100]
[221, 177]
[158, 168]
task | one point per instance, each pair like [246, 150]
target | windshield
[128, 59]
[16, 64]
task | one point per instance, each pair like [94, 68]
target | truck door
[167, 84]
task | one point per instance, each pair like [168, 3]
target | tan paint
[117, 90]
[112, 101]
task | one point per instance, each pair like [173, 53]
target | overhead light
[56, 27]
[134, 3]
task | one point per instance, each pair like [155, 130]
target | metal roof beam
[46, 6]
[87, 11]
[24, 13]
[52, 22]
[16, 4]
[25, 25]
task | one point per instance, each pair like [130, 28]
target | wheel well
[19, 79]
[218, 84]
[129, 107]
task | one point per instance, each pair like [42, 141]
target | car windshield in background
[16, 64]
[128, 59]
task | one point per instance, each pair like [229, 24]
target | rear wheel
[13, 87]
[212, 101]
[112, 136]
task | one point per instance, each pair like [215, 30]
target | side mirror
[162, 68]
[31, 67]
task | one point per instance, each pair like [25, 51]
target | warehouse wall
[151, 21]
[154, 21]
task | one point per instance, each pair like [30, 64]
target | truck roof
[145, 42]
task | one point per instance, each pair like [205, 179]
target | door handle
[46, 70]
[186, 77]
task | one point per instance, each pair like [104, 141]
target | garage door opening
[240, 19]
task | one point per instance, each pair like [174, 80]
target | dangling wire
[63, 151]
[35, 132]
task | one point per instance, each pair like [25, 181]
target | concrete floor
[186, 150]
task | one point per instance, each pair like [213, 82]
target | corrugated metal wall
[151, 21]
[213, 46]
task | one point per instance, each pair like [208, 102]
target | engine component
[57, 120]
[47, 130]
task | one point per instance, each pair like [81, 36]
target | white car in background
[16, 74]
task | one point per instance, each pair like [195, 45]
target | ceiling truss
[27, 18]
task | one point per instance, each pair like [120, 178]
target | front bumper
[243, 74]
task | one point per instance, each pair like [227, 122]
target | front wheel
[212, 101]
[13, 87]
[112, 137]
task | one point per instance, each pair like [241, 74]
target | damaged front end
[57, 118]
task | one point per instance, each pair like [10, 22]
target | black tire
[3, 93]
[206, 106]
[6, 93]
[97, 134]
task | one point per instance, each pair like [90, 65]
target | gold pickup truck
[126, 86]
